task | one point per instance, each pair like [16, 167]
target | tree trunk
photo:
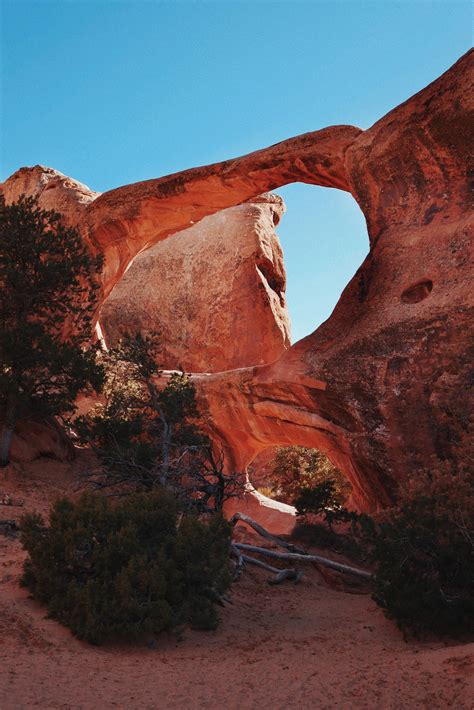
[165, 450]
[6, 433]
[264, 533]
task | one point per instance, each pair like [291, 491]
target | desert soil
[305, 646]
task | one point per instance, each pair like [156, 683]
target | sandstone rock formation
[215, 292]
[384, 383]
[35, 439]
[54, 191]
[227, 308]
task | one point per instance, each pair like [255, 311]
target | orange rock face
[35, 439]
[215, 292]
[384, 383]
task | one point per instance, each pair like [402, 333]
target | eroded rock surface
[34, 439]
[215, 292]
[385, 382]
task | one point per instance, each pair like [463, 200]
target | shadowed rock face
[384, 383]
[215, 292]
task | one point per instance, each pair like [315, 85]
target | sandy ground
[305, 646]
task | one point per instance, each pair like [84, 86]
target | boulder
[215, 292]
[34, 439]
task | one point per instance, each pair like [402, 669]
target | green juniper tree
[423, 550]
[297, 468]
[147, 432]
[47, 298]
[111, 569]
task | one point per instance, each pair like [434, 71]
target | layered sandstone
[384, 383]
[215, 292]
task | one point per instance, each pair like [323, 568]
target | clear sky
[118, 91]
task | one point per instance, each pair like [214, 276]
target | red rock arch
[383, 384]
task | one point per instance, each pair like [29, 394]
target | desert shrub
[296, 468]
[318, 508]
[139, 565]
[423, 551]
[146, 432]
[322, 499]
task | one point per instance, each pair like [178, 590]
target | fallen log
[280, 574]
[240, 562]
[288, 556]
[264, 533]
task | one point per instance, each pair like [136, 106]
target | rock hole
[418, 292]
[267, 269]
[279, 472]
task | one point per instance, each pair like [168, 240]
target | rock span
[384, 383]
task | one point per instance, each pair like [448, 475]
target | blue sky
[119, 91]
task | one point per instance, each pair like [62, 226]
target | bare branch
[264, 533]
[240, 561]
[324, 561]
[280, 574]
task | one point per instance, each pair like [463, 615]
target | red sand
[277, 647]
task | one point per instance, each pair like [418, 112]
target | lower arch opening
[282, 473]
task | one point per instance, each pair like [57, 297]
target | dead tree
[294, 554]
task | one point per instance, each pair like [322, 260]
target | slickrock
[215, 292]
[384, 383]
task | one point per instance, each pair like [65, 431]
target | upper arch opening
[324, 239]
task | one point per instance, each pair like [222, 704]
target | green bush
[424, 573]
[147, 433]
[297, 468]
[423, 550]
[325, 538]
[124, 569]
[322, 499]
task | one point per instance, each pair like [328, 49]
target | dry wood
[264, 533]
[240, 562]
[280, 574]
[324, 561]
[296, 553]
